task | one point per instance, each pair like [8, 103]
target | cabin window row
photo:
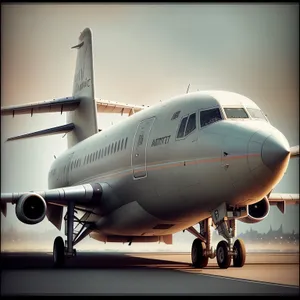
[105, 151]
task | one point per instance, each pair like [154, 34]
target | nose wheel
[239, 250]
[222, 253]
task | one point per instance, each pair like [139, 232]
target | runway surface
[93, 273]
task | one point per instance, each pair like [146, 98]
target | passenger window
[210, 116]
[125, 143]
[115, 147]
[191, 124]
[118, 146]
[122, 144]
[180, 133]
[108, 150]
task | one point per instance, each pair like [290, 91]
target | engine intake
[257, 211]
[31, 208]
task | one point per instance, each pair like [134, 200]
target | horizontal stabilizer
[56, 105]
[106, 106]
[50, 131]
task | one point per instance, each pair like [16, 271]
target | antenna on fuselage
[188, 88]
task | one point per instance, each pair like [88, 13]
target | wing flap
[283, 199]
[55, 214]
[49, 131]
[106, 106]
[56, 105]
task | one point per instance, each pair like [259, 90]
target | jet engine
[31, 208]
[257, 211]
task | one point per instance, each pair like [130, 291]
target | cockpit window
[191, 125]
[236, 113]
[256, 113]
[181, 128]
[187, 125]
[210, 116]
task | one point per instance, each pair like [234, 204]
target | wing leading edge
[82, 195]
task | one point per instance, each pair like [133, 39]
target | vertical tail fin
[85, 116]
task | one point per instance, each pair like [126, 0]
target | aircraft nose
[274, 152]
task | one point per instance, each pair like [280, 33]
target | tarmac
[130, 273]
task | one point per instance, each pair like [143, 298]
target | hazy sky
[144, 54]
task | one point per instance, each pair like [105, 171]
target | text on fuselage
[161, 141]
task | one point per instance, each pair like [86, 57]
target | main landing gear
[225, 222]
[60, 251]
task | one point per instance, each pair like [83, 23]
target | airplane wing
[55, 105]
[106, 106]
[282, 199]
[33, 206]
[294, 151]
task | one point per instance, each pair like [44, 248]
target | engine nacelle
[257, 211]
[31, 208]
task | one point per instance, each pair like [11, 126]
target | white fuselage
[157, 184]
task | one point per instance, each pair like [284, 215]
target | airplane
[206, 157]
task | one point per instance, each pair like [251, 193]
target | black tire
[58, 252]
[223, 257]
[240, 249]
[197, 254]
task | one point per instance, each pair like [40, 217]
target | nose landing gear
[226, 250]
[225, 222]
[223, 257]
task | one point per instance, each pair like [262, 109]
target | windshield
[235, 113]
[210, 116]
[256, 113]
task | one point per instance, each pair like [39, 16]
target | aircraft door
[138, 155]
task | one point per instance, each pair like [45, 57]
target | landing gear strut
[201, 248]
[60, 251]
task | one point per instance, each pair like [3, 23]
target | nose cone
[274, 153]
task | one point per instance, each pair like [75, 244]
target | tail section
[81, 107]
[84, 117]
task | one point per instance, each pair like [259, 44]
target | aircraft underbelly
[132, 220]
